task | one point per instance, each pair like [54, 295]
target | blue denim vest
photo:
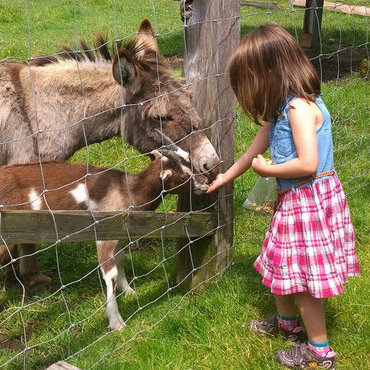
[282, 146]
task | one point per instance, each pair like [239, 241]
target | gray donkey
[53, 106]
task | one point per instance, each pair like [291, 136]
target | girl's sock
[320, 349]
[287, 323]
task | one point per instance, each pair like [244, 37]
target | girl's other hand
[217, 183]
[261, 166]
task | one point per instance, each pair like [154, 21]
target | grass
[179, 331]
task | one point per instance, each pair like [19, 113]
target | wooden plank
[44, 227]
[211, 34]
[62, 365]
[338, 7]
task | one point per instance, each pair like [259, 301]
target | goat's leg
[34, 281]
[109, 269]
[7, 253]
[122, 283]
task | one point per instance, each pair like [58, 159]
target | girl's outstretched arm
[304, 117]
[259, 145]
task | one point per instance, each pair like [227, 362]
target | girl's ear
[124, 70]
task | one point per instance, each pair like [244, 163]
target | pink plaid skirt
[310, 244]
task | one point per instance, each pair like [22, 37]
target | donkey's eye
[163, 118]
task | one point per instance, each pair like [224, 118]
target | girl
[308, 252]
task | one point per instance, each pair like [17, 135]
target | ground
[347, 61]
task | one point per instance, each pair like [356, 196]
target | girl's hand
[217, 183]
[261, 166]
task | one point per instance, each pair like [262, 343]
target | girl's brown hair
[267, 66]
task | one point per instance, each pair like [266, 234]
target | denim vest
[282, 146]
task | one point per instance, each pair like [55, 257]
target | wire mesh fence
[70, 101]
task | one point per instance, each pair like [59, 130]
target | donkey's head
[156, 102]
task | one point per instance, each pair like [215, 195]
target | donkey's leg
[109, 269]
[34, 281]
[122, 283]
[7, 253]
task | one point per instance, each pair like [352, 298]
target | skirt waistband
[304, 181]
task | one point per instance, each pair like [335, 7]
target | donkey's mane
[101, 51]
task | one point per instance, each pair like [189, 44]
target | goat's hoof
[37, 284]
[126, 289]
[117, 324]
[129, 291]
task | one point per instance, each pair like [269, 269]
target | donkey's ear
[145, 37]
[124, 70]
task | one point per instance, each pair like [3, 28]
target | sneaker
[272, 327]
[302, 357]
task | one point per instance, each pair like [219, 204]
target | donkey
[53, 106]
[64, 186]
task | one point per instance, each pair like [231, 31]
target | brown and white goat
[64, 186]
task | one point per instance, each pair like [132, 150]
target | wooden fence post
[312, 23]
[211, 33]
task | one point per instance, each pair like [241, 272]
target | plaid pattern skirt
[310, 244]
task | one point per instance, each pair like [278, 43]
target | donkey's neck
[72, 96]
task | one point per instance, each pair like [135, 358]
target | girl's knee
[304, 299]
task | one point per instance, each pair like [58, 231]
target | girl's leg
[285, 305]
[286, 317]
[315, 353]
[313, 317]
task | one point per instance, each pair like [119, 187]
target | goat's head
[176, 173]
[156, 102]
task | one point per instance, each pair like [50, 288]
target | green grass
[180, 331]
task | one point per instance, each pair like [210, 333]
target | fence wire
[75, 305]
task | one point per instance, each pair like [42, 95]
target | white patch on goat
[111, 274]
[81, 195]
[164, 174]
[115, 320]
[35, 200]
[183, 154]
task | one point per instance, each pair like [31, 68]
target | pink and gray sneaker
[303, 357]
[272, 327]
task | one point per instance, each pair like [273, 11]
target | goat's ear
[165, 174]
[156, 154]
[145, 37]
[124, 70]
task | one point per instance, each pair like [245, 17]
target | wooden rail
[72, 226]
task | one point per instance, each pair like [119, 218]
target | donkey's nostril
[205, 168]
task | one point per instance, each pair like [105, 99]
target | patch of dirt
[346, 62]
[339, 65]
[17, 344]
[12, 344]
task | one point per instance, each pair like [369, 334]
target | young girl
[308, 252]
